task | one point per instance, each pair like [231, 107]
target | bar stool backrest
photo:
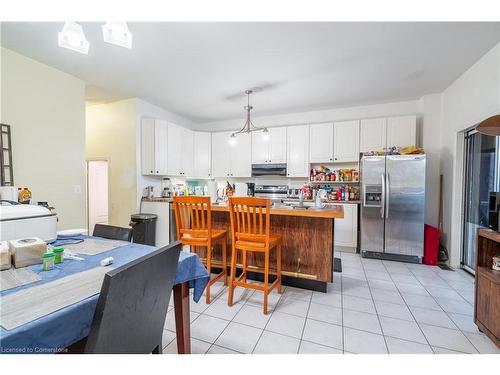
[250, 219]
[193, 216]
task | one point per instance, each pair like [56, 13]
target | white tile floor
[373, 306]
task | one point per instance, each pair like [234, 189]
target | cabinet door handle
[151, 171]
[156, 171]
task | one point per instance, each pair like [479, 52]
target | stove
[274, 192]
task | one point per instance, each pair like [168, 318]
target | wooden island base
[307, 246]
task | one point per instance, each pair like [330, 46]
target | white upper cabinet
[175, 152]
[346, 141]
[402, 131]
[269, 147]
[297, 146]
[241, 156]
[231, 157]
[373, 135]
[154, 139]
[260, 148]
[202, 154]
[187, 154]
[321, 143]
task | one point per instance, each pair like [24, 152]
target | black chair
[132, 307]
[113, 233]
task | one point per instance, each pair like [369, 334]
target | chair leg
[232, 277]
[244, 263]
[278, 267]
[209, 270]
[224, 259]
[266, 280]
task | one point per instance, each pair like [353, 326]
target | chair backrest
[193, 216]
[132, 307]
[113, 233]
[250, 219]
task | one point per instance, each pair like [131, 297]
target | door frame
[87, 200]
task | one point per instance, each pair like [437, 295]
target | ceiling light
[249, 126]
[73, 38]
[117, 33]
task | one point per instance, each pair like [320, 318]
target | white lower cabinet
[346, 230]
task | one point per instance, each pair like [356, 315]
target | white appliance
[9, 193]
[27, 221]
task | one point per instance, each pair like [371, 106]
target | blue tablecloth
[72, 323]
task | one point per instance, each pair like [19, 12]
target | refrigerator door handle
[387, 199]
[382, 200]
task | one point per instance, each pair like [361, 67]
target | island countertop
[331, 212]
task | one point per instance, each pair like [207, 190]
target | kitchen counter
[331, 212]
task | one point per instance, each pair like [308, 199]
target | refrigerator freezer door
[372, 207]
[405, 204]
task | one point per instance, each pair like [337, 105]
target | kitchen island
[307, 244]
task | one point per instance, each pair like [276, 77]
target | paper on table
[14, 277]
[94, 246]
[21, 307]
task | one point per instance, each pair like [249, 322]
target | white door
[202, 154]
[147, 147]
[174, 150]
[260, 148]
[241, 156]
[372, 135]
[346, 141]
[221, 154]
[277, 145]
[97, 190]
[187, 157]
[401, 131]
[321, 143]
[346, 229]
[297, 145]
[161, 145]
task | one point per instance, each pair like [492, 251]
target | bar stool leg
[231, 277]
[266, 280]
[278, 267]
[209, 270]
[224, 259]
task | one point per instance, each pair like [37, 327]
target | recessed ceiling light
[73, 38]
[117, 33]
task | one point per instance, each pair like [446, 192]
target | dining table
[59, 330]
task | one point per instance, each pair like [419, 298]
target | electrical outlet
[77, 189]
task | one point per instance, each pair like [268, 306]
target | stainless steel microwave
[268, 169]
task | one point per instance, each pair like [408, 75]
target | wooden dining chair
[193, 216]
[250, 231]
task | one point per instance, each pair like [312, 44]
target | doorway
[97, 193]
[481, 178]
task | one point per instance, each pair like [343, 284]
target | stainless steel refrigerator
[392, 207]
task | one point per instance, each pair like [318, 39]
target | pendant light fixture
[490, 126]
[249, 127]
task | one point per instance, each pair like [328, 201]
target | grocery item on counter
[24, 195]
[336, 175]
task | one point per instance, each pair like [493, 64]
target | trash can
[431, 245]
[144, 228]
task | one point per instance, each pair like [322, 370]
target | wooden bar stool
[250, 231]
[193, 216]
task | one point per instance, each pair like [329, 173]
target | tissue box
[5, 258]
[28, 251]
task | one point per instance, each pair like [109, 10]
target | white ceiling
[198, 69]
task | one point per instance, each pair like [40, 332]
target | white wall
[111, 135]
[474, 96]
[46, 110]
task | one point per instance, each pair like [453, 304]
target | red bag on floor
[431, 245]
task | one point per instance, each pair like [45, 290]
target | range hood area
[268, 169]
